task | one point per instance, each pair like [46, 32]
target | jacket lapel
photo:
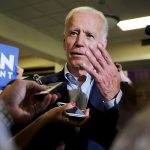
[58, 77]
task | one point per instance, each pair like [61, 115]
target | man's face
[83, 30]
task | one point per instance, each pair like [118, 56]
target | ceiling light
[132, 24]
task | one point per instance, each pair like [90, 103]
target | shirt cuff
[114, 101]
[5, 117]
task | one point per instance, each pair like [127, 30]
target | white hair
[91, 10]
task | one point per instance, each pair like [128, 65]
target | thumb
[87, 112]
[70, 105]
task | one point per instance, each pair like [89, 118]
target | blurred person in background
[124, 77]
[136, 134]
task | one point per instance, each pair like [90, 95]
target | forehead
[86, 20]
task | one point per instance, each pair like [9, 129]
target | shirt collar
[88, 76]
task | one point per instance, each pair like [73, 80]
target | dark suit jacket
[99, 131]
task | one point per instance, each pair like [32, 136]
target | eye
[73, 33]
[90, 36]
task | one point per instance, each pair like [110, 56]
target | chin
[76, 65]
[76, 62]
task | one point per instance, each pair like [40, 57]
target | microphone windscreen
[147, 30]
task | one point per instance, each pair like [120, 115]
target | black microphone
[147, 30]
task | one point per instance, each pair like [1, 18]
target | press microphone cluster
[147, 30]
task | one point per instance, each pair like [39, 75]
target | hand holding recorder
[51, 88]
[73, 115]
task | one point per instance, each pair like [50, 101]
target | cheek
[68, 44]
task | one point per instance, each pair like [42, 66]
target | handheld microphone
[147, 30]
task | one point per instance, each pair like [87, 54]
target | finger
[56, 95]
[53, 97]
[34, 86]
[97, 65]
[91, 70]
[68, 105]
[87, 112]
[22, 116]
[98, 57]
[105, 54]
[104, 60]
[40, 106]
[77, 122]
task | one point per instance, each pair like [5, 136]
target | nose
[80, 41]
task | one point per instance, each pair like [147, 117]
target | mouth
[76, 54]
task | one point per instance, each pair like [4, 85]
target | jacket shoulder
[56, 77]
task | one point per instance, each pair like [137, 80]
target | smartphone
[60, 103]
[50, 89]
[74, 112]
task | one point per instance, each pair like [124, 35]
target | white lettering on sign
[5, 61]
[3, 74]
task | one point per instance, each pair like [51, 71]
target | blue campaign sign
[8, 63]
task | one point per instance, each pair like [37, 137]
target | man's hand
[20, 102]
[103, 70]
[58, 115]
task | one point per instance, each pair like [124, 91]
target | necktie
[80, 97]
